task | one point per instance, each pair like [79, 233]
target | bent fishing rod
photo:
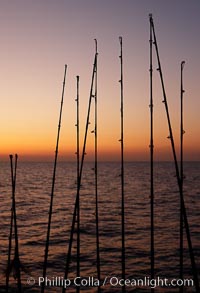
[181, 175]
[122, 164]
[151, 160]
[78, 182]
[68, 258]
[193, 263]
[96, 177]
[52, 187]
[16, 261]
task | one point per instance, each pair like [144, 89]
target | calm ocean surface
[33, 188]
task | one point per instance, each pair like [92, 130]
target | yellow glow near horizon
[38, 39]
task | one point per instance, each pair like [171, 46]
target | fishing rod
[9, 252]
[194, 268]
[68, 258]
[53, 185]
[151, 161]
[16, 261]
[78, 184]
[122, 165]
[9, 246]
[181, 176]
[96, 179]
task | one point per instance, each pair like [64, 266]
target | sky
[39, 37]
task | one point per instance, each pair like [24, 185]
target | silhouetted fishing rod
[182, 177]
[52, 188]
[9, 251]
[10, 245]
[122, 164]
[78, 183]
[68, 259]
[151, 160]
[96, 178]
[194, 269]
[16, 262]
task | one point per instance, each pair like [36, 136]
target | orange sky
[39, 38]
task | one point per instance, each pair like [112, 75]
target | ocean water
[33, 188]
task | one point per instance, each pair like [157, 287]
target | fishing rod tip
[96, 45]
[182, 63]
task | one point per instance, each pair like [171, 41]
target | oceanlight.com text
[151, 283]
[112, 281]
